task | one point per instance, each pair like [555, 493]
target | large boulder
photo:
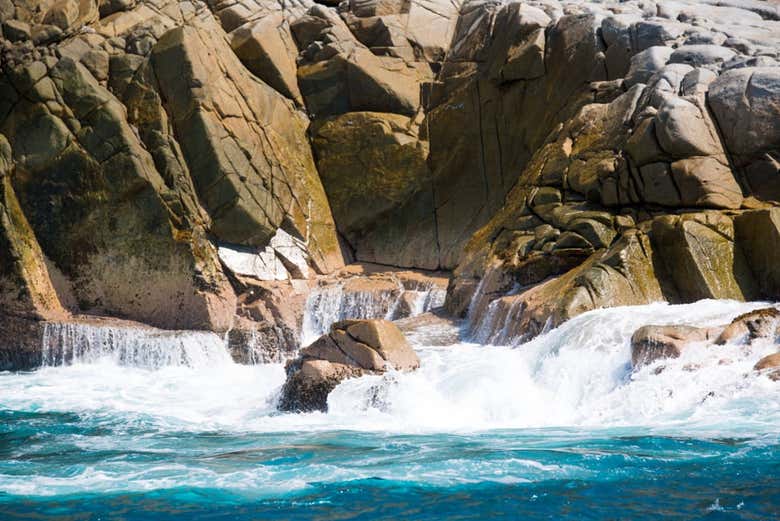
[352, 348]
[700, 253]
[244, 143]
[100, 210]
[337, 73]
[758, 233]
[746, 103]
[268, 50]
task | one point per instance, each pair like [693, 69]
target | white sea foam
[576, 375]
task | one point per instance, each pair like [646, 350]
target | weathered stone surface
[26, 290]
[652, 343]
[374, 170]
[352, 348]
[746, 103]
[98, 208]
[244, 144]
[67, 14]
[267, 49]
[16, 30]
[758, 234]
[771, 365]
[339, 74]
[702, 258]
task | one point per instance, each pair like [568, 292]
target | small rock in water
[771, 364]
[353, 348]
[761, 323]
[651, 343]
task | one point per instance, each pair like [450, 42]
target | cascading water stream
[334, 302]
[84, 343]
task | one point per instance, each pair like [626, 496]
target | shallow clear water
[556, 428]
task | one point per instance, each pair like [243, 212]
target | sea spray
[578, 374]
[564, 407]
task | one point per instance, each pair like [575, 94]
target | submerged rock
[652, 343]
[771, 364]
[353, 348]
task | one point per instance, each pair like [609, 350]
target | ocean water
[556, 428]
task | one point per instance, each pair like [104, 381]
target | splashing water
[333, 303]
[70, 343]
[478, 431]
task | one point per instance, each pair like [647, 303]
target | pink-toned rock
[352, 348]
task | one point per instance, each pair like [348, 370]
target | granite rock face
[655, 141]
[189, 164]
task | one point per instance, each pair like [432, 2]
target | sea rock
[771, 365]
[352, 348]
[762, 323]
[651, 343]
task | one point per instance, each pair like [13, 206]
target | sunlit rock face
[189, 165]
[351, 348]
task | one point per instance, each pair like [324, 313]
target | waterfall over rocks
[390, 297]
[130, 345]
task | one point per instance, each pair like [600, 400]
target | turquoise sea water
[559, 428]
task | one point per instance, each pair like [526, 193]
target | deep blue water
[507, 474]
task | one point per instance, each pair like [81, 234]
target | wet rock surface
[352, 348]
[652, 343]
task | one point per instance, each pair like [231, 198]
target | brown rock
[352, 348]
[770, 364]
[758, 234]
[373, 167]
[268, 50]
[700, 254]
[651, 343]
[245, 145]
[761, 323]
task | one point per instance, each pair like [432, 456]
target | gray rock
[710, 56]
[647, 63]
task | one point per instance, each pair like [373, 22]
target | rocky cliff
[191, 165]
